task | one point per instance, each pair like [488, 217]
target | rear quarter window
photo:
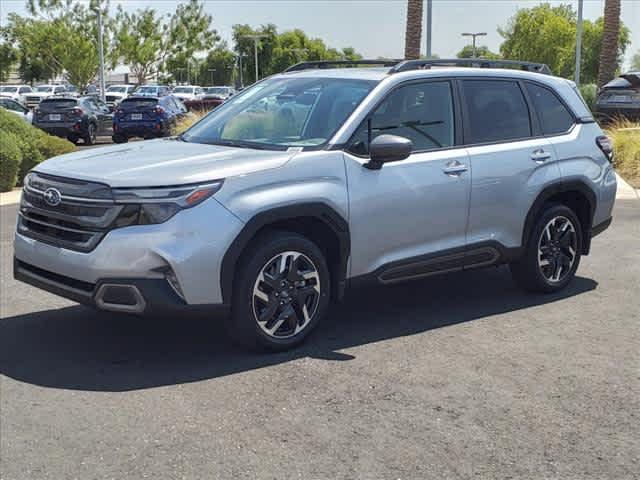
[553, 115]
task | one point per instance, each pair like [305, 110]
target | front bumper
[190, 245]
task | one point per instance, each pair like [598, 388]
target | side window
[58, 90]
[553, 115]
[421, 112]
[497, 111]
[25, 90]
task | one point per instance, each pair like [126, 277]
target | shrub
[188, 120]
[9, 160]
[34, 144]
[589, 92]
[626, 146]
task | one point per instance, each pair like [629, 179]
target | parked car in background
[19, 109]
[152, 90]
[213, 96]
[620, 98]
[188, 92]
[43, 91]
[222, 92]
[146, 117]
[16, 92]
[74, 118]
[116, 93]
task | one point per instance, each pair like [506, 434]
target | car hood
[162, 162]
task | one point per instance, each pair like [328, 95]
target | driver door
[409, 216]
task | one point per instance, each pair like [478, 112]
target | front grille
[33, 99]
[77, 222]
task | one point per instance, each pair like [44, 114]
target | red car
[213, 96]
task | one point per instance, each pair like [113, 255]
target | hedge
[33, 144]
[9, 160]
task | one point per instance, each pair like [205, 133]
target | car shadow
[79, 348]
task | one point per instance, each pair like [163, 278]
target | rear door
[511, 160]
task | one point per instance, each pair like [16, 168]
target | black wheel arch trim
[318, 210]
[554, 189]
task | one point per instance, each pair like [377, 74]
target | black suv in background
[620, 98]
[74, 118]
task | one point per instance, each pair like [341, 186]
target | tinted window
[59, 89]
[25, 90]
[52, 104]
[421, 112]
[554, 117]
[497, 111]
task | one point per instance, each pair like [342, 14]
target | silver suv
[316, 179]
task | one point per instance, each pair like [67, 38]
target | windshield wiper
[239, 144]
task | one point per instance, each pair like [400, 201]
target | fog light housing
[172, 280]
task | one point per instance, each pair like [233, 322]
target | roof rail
[322, 64]
[407, 65]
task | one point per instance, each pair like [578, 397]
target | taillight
[606, 145]
[78, 111]
[159, 110]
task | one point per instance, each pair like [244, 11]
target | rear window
[553, 115]
[497, 111]
[57, 104]
[138, 103]
[183, 90]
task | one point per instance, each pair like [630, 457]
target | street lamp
[256, 38]
[101, 52]
[474, 35]
[429, 25]
[578, 43]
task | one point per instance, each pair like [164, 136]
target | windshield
[44, 88]
[9, 89]
[147, 90]
[183, 90]
[282, 112]
[217, 90]
[117, 89]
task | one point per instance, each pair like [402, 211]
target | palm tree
[414, 29]
[610, 37]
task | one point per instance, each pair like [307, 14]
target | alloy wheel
[286, 294]
[557, 249]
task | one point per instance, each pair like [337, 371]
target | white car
[13, 106]
[188, 92]
[43, 91]
[116, 93]
[17, 92]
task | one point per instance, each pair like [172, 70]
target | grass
[188, 120]
[626, 146]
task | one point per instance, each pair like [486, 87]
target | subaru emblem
[52, 196]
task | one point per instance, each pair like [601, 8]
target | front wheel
[552, 253]
[281, 292]
[90, 138]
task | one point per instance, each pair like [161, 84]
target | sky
[375, 28]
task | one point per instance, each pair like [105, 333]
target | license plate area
[55, 117]
[621, 98]
[136, 116]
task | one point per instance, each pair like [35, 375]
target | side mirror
[388, 148]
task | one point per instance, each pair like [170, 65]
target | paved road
[459, 376]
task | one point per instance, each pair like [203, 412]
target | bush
[33, 144]
[626, 147]
[188, 120]
[9, 160]
[589, 92]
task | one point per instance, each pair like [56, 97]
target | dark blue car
[146, 117]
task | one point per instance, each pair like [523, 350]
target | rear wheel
[281, 292]
[119, 138]
[90, 138]
[552, 252]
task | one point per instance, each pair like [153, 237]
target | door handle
[540, 156]
[455, 168]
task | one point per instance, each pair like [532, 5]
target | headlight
[145, 206]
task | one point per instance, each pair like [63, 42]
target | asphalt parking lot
[460, 376]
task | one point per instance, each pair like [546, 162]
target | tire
[90, 138]
[552, 253]
[119, 138]
[73, 139]
[292, 302]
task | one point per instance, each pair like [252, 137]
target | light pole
[428, 26]
[101, 52]
[578, 43]
[474, 35]
[256, 38]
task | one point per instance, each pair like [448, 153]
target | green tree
[151, 44]
[218, 68]
[8, 58]
[547, 34]
[482, 52]
[635, 61]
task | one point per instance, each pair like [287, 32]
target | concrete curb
[625, 191]
[10, 198]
